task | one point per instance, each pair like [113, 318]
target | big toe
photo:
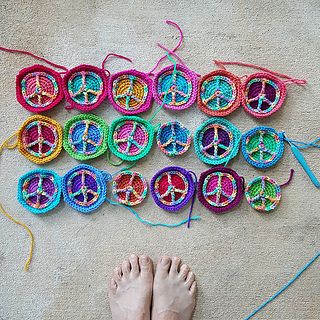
[146, 266]
[163, 265]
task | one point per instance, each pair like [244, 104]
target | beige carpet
[240, 258]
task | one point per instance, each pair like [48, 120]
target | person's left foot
[130, 290]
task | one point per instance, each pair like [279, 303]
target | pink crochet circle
[129, 92]
[38, 88]
[85, 87]
[263, 95]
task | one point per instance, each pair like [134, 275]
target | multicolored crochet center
[172, 188]
[263, 94]
[85, 136]
[130, 138]
[129, 188]
[84, 188]
[173, 138]
[262, 146]
[40, 139]
[220, 189]
[38, 88]
[175, 88]
[130, 92]
[85, 87]
[39, 191]
[217, 141]
[219, 93]
[263, 193]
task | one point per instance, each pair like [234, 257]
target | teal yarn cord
[153, 224]
[284, 287]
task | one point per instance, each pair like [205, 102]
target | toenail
[165, 260]
[144, 260]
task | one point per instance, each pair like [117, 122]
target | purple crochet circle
[220, 189]
[172, 188]
[130, 91]
[179, 91]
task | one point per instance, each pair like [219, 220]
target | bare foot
[130, 290]
[174, 291]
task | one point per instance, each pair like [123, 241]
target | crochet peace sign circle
[85, 87]
[173, 138]
[85, 136]
[220, 189]
[172, 188]
[39, 88]
[39, 139]
[129, 91]
[219, 93]
[130, 138]
[129, 188]
[263, 94]
[39, 190]
[178, 88]
[84, 188]
[216, 141]
[262, 146]
[263, 193]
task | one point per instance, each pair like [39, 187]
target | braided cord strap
[39, 191]
[40, 139]
[217, 141]
[130, 92]
[262, 146]
[38, 88]
[85, 136]
[130, 138]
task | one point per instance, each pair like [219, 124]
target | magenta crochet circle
[264, 94]
[220, 189]
[38, 88]
[85, 87]
[129, 92]
[177, 90]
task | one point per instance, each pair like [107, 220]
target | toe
[145, 265]
[190, 279]
[163, 265]
[125, 268]
[184, 270]
[193, 288]
[117, 274]
[175, 265]
[134, 264]
[112, 286]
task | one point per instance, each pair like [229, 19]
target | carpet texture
[239, 258]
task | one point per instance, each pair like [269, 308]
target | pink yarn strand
[113, 55]
[34, 56]
[289, 180]
[250, 65]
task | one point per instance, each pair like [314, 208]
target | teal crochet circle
[216, 141]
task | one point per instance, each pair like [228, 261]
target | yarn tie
[112, 55]
[289, 180]
[7, 145]
[193, 198]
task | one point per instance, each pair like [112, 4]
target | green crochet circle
[130, 138]
[85, 136]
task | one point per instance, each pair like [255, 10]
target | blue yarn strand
[284, 287]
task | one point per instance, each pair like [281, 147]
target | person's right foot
[174, 291]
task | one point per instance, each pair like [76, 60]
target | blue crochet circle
[84, 188]
[39, 191]
[262, 146]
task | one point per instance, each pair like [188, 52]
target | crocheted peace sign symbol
[84, 188]
[216, 141]
[39, 190]
[220, 189]
[129, 91]
[85, 136]
[129, 188]
[172, 188]
[40, 139]
[178, 89]
[85, 87]
[263, 193]
[263, 94]
[130, 138]
[219, 93]
[38, 88]
[173, 138]
[262, 146]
